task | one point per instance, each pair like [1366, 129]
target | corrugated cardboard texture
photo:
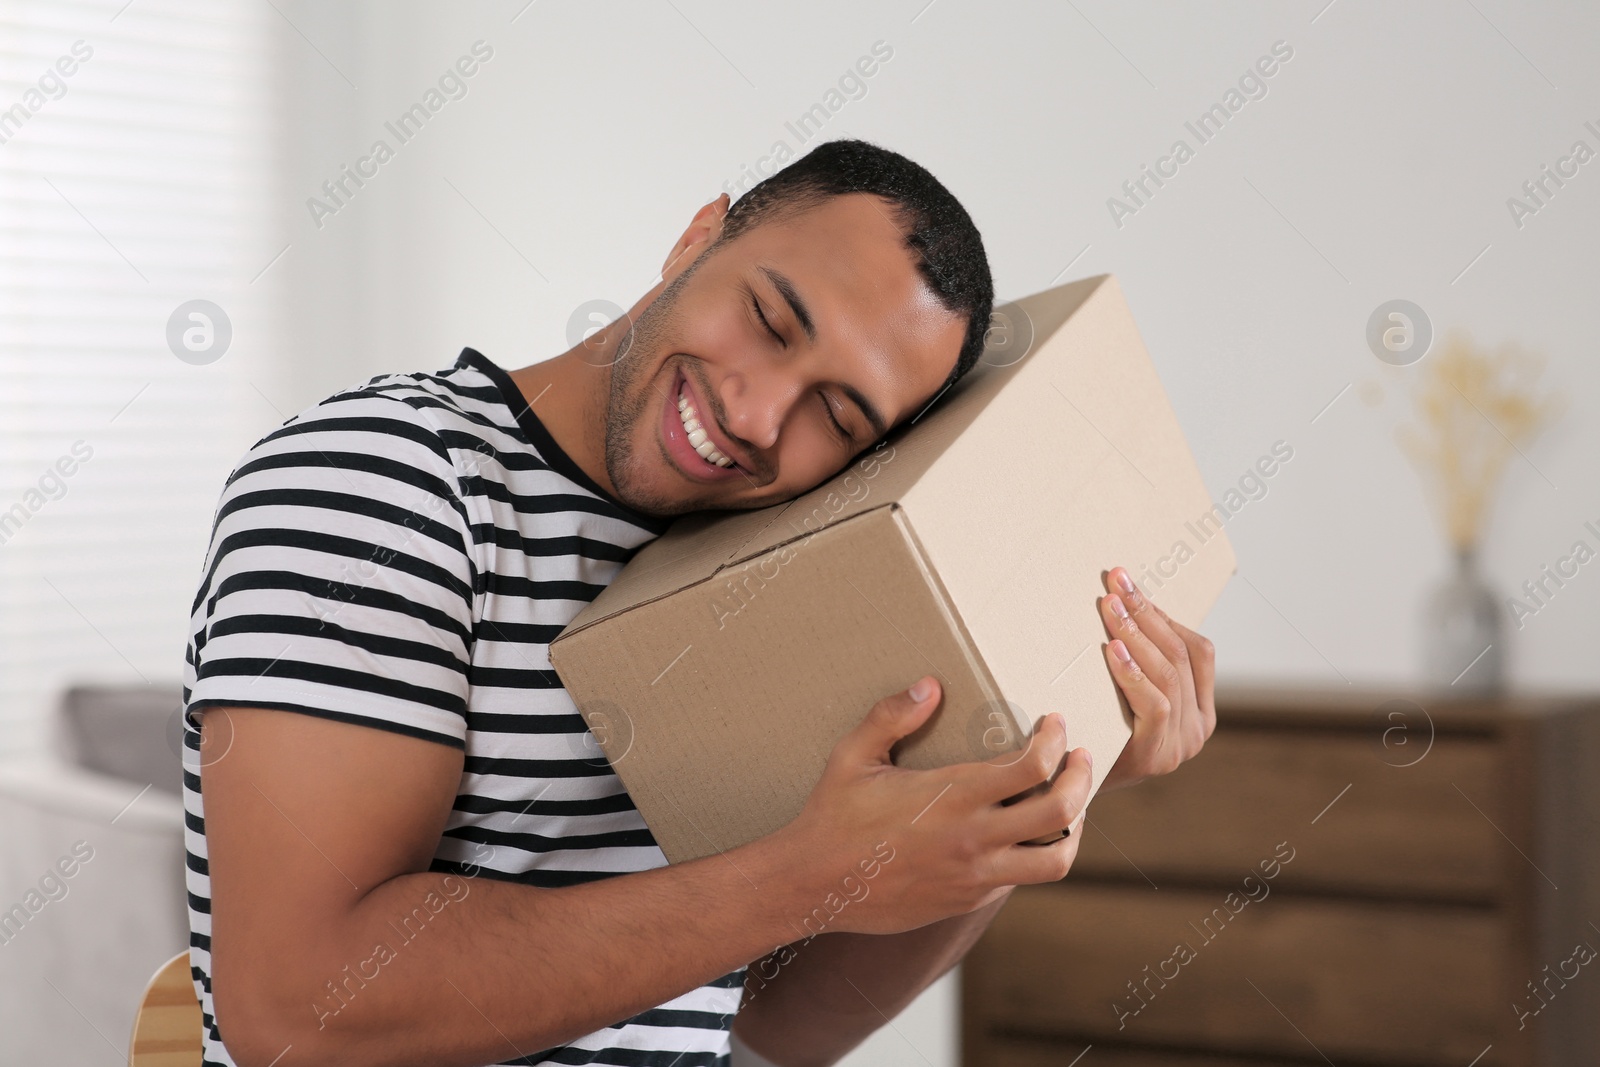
[718, 705]
[1011, 495]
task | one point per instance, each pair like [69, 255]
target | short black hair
[948, 247]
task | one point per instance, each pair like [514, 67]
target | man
[422, 862]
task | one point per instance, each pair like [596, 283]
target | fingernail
[921, 691]
[1118, 608]
[1088, 759]
[1120, 650]
[1125, 582]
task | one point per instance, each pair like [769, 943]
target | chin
[646, 487]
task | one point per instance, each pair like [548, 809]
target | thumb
[895, 716]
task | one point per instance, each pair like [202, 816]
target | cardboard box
[722, 664]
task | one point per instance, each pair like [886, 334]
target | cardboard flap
[694, 547]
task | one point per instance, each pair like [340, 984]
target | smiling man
[401, 847]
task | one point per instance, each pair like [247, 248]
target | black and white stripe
[400, 556]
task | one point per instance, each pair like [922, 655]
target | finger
[1060, 807]
[1152, 660]
[1203, 658]
[1183, 722]
[889, 720]
[1159, 630]
[1034, 864]
[1014, 773]
[1152, 709]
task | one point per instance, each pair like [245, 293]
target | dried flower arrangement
[1476, 408]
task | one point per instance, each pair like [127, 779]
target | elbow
[259, 1021]
[253, 1037]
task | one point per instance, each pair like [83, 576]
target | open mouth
[683, 430]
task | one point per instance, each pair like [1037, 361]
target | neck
[569, 393]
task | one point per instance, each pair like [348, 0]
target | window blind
[137, 175]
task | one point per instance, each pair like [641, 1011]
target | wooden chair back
[166, 1031]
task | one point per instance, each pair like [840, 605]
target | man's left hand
[1166, 671]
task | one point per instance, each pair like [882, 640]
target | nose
[755, 405]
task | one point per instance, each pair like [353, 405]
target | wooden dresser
[1350, 878]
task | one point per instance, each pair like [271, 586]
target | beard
[631, 400]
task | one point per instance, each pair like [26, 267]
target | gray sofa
[72, 969]
[91, 875]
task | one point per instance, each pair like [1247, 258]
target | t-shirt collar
[539, 436]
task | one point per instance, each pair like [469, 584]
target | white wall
[1377, 166]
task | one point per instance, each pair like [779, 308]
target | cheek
[636, 398]
[807, 456]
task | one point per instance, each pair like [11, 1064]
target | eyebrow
[786, 290]
[874, 416]
[802, 313]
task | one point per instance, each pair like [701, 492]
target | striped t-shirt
[400, 556]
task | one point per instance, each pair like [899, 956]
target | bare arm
[320, 834]
[839, 988]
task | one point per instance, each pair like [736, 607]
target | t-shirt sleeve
[340, 579]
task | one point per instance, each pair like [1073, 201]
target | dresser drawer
[1023, 1052]
[1282, 976]
[1409, 830]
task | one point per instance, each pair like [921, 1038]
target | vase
[1464, 632]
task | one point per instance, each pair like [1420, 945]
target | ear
[703, 229]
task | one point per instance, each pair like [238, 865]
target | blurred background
[1433, 495]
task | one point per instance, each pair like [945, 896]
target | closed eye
[756, 304]
[844, 435]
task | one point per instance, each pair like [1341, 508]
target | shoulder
[384, 414]
[398, 433]
[377, 464]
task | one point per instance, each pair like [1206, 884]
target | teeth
[697, 434]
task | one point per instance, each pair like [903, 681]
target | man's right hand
[957, 847]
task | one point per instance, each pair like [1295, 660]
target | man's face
[851, 332]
